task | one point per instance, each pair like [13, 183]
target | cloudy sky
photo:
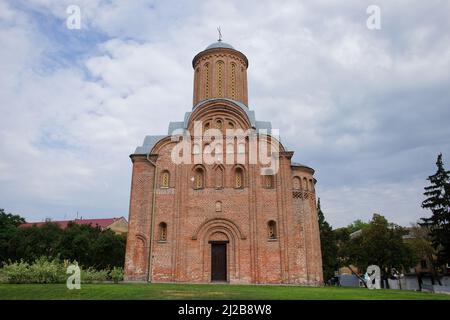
[368, 109]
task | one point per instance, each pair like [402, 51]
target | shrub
[91, 275]
[116, 274]
[47, 271]
[44, 270]
[17, 272]
[3, 278]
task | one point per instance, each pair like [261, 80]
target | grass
[204, 292]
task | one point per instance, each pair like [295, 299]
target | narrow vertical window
[296, 183]
[218, 206]
[305, 184]
[219, 124]
[219, 66]
[311, 185]
[162, 231]
[241, 148]
[165, 179]
[219, 178]
[196, 85]
[268, 181]
[238, 178]
[218, 153]
[233, 80]
[207, 80]
[198, 179]
[272, 229]
[196, 149]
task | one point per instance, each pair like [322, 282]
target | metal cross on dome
[220, 33]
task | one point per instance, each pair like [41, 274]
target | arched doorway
[213, 231]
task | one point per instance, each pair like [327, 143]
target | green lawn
[190, 291]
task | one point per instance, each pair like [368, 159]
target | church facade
[228, 217]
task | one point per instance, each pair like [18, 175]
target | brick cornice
[143, 158]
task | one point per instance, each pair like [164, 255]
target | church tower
[220, 71]
[221, 221]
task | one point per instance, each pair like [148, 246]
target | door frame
[226, 242]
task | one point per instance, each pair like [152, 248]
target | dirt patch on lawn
[177, 293]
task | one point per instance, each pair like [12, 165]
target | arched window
[296, 183]
[268, 181]
[218, 151]
[305, 183]
[238, 178]
[196, 149]
[219, 178]
[162, 231]
[219, 124]
[311, 185]
[165, 179]
[272, 229]
[219, 206]
[199, 178]
[206, 80]
[219, 66]
[233, 80]
[230, 148]
[196, 83]
[207, 126]
[241, 147]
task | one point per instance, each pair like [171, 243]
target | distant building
[118, 225]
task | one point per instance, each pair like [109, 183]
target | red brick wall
[191, 218]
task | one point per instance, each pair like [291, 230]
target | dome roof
[219, 44]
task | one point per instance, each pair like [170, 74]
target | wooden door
[218, 261]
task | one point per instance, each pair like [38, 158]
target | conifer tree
[438, 201]
[328, 245]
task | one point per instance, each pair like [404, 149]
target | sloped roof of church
[151, 140]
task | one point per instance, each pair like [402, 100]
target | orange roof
[102, 223]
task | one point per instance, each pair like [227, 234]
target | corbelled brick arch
[222, 109]
[208, 232]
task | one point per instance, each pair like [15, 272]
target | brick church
[230, 219]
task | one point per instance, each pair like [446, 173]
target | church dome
[220, 71]
[219, 44]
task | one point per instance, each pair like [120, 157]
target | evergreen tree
[438, 201]
[328, 245]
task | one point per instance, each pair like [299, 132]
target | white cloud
[353, 103]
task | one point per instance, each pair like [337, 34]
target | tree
[89, 246]
[420, 242]
[438, 201]
[380, 243]
[109, 250]
[8, 228]
[34, 242]
[328, 245]
[8, 219]
[357, 225]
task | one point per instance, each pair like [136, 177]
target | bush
[17, 272]
[116, 274]
[47, 271]
[91, 275]
[44, 270]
